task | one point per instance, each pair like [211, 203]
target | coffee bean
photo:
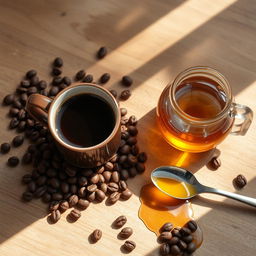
[132, 172]
[176, 232]
[113, 92]
[240, 181]
[54, 91]
[74, 214]
[191, 247]
[31, 90]
[91, 197]
[126, 194]
[107, 175]
[100, 195]
[129, 245]
[70, 171]
[66, 80]
[34, 81]
[21, 90]
[214, 163]
[56, 71]
[40, 191]
[166, 227]
[140, 167]
[132, 160]
[82, 192]
[122, 185]
[100, 169]
[125, 95]
[88, 78]
[125, 233]
[165, 236]
[8, 99]
[41, 85]
[83, 204]
[55, 216]
[80, 75]
[105, 78]
[13, 161]
[22, 126]
[187, 239]
[124, 174]
[132, 120]
[27, 196]
[133, 131]
[82, 181]
[115, 177]
[18, 140]
[63, 206]
[113, 187]
[31, 73]
[73, 200]
[17, 104]
[125, 149]
[94, 179]
[113, 198]
[108, 166]
[22, 114]
[27, 158]
[102, 52]
[25, 83]
[32, 186]
[135, 150]
[14, 123]
[41, 180]
[173, 240]
[96, 235]
[123, 111]
[58, 62]
[142, 157]
[127, 81]
[185, 231]
[182, 245]
[56, 81]
[92, 188]
[119, 222]
[13, 112]
[116, 167]
[5, 147]
[104, 187]
[72, 180]
[192, 225]
[122, 159]
[26, 178]
[175, 250]
[131, 141]
[164, 249]
[46, 198]
[23, 98]
[30, 123]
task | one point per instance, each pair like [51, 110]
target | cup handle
[243, 117]
[38, 106]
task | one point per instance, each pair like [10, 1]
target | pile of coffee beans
[177, 241]
[55, 181]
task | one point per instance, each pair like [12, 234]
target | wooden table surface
[151, 41]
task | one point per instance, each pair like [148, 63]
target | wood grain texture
[151, 41]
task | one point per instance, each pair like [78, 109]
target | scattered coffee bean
[126, 194]
[63, 206]
[80, 75]
[31, 73]
[83, 204]
[5, 147]
[18, 140]
[113, 198]
[58, 62]
[102, 52]
[125, 233]
[74, 214]
[73, 200]
[105, 78]
[129, 245]
[88, 78]
[13, 161]
[214, 163]
[127, 81]
[192, 225]
[55, 216]
[125, 95]
[166, 227]
[240, 181]
[8, 99]
[119, 222]
[96, 235]
[114, 93]
[164, 249]
[122, 185]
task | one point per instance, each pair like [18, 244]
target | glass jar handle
[243, 117]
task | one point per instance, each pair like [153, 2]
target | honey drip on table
[157, 208]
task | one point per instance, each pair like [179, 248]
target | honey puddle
[158, 208]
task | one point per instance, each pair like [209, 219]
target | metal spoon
[187, 177]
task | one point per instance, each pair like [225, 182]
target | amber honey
[158, 208]
[192, 116]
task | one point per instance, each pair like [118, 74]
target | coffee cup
[84, 121]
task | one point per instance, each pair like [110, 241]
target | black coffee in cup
[85, 120]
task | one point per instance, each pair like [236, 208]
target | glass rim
[210, 73]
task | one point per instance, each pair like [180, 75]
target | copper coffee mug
[45, 111]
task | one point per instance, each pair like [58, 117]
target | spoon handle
[244, 199]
